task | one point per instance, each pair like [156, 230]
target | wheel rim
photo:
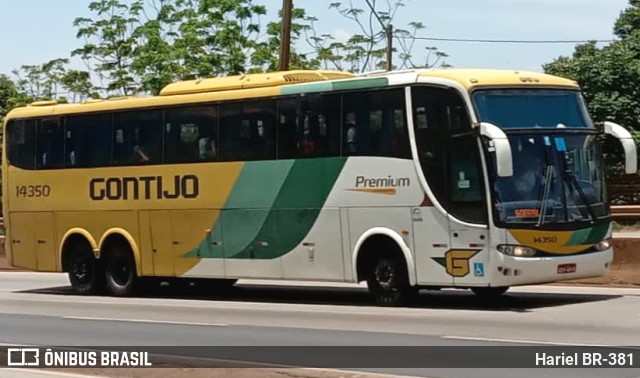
[120, 270]
[81, 268]
[385, 276]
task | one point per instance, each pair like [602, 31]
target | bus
[475, 179]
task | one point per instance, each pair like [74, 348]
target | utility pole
[285, 38]
[389, 31]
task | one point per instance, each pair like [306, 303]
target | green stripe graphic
[272, 207]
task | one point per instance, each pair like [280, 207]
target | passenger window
[50, 144]
[191, 134]
[21, 143]
[375, 124]
[88, 141]
[248, 131]
[449, 153]
[309, 127]
[137, 138]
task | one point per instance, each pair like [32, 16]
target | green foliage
[366, 50]
[109, 43]
[53, 81]
[140, 47]
[610, 79]
[10, 97]
[134, 47]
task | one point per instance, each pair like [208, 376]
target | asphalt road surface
[40, 309]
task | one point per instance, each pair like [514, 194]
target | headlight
[604, 245]
[517, 250]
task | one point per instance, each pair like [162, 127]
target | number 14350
[33, 191]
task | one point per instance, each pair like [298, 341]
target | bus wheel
[489, 292]
[85, 271]
[388, 282]
[120, 268]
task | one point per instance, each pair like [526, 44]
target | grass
[626, 226]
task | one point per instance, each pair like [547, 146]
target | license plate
[566, 268]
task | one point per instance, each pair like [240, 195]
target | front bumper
[514, 271]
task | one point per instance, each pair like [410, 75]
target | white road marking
[52, 373]
[519, 341]
[142, 321]
[248, 306]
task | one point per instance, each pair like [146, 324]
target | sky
[36, 31]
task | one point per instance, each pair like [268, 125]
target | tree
[366, 50]
[9, 96]
[609, 77]
[224, 37]
[110, 42]
[266, 55]
[175, 40]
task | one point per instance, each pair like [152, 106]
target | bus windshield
[557, 179]
[532, 108]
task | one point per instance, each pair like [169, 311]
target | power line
[506, 40]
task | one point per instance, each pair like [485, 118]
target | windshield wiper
[548, 177]
[573, 181]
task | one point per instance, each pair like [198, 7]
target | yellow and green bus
[453, 178]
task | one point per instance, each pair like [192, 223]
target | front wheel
[388, 283]
[120, 269]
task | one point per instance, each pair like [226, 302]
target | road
[39, 309]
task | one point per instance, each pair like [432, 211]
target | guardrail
[625, 213]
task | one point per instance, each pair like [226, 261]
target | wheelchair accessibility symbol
[478, 269]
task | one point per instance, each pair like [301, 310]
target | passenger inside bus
[352, 132]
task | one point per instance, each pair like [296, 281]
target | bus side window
[309, 127]
[288, 121]
[248, 131]
[21, 143]
[50, 144]
[88, 141]
[375, 124]
[449, 152]
[138, 137]
[191, 134]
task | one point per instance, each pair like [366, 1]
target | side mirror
[502, 147]
[628, 144]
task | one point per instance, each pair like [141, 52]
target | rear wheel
[388, 282]
[86, 273]
[489, 292]
[120, 269]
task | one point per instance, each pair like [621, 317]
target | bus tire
[388, 282]
[489, 292]
[86, 273]
[120, 270]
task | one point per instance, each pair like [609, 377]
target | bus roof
[289, 83]
[471, 78]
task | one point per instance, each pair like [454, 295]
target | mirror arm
[501, 145]
[628, 144]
